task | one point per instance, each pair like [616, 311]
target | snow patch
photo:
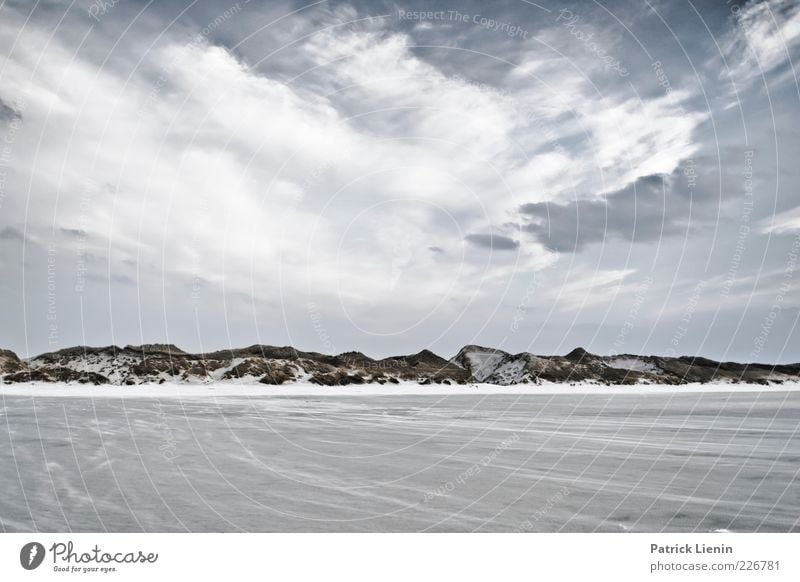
[633, 365]
[483, 364]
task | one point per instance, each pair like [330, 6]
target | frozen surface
[621, 460]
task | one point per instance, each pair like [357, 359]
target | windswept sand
[233, 458]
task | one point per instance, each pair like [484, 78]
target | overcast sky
[622, 176]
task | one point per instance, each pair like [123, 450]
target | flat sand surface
[239, 458]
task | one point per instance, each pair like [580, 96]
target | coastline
[219, 389]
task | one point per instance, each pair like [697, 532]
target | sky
[396, 176]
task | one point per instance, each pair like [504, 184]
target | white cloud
[640, 138]
[334, 180]
[254, 161]
[784, 222]
[766, 36]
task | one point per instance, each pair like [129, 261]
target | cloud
[645, 211]
[7, 112]
[362, 164]
[495, 242]
[765, 37]
[221, 173]
[785, 222]
[582, 290]
[11, 233]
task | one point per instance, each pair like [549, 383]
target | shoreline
[214, 390]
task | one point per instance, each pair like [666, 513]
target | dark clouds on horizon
[357, 175]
